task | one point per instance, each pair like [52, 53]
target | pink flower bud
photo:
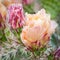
[15, 16]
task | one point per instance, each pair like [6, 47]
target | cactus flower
[38, 29]
[15, 15]
[3, 12]
[2, 21]
[9, 2]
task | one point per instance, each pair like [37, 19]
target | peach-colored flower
[3, 12]
[1, 19]
[38, 29]
[9, 2]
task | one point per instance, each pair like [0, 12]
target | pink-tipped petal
[16, 16]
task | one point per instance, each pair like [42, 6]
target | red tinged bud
[16, 16]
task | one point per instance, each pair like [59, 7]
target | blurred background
[32, 6]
